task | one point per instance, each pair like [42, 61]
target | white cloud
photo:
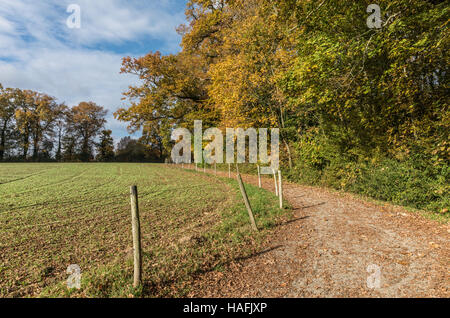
[39, 52]
[6, 26]
[114, 20]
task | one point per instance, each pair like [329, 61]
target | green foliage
[410, 182]
[401, 183]
[105, 147]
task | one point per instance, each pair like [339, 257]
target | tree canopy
[341, 92]
[304, 66]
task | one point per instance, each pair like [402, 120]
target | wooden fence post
[247, 203]
[229, 170]
[280, 189]
[259, 176]
[204, 167]
[136, 231]
[275, 181]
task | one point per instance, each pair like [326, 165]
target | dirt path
[325, 251]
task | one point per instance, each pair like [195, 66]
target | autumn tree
[172, 93]
[85, 121]
[226, 74]
[30, 119]
[38, 117]
[174, 90]
[304, 66]
[255, 53]
[346, 96]
[7, 113]
[22, 100]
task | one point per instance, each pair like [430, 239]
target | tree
[254, 54]
[69, 146]
[226, 74]
[155, 137]
[46, 149]
[60, 126]
[30, 119]
[174, 90]
[22, 100]
[7, 112]
[105, 148]
[85, 122]
[35, 116]
[131, 150]
[371, 90]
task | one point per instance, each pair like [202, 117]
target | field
[54, 215]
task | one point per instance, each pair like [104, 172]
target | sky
[39, 51]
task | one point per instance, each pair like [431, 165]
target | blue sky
[39, 51]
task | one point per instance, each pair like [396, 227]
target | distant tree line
[35, 127]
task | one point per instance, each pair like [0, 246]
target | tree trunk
[35, 148]
[58, 152]
[85, 154]
[25, 148]
[26, 144]
[288, 149]
[3, 141]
